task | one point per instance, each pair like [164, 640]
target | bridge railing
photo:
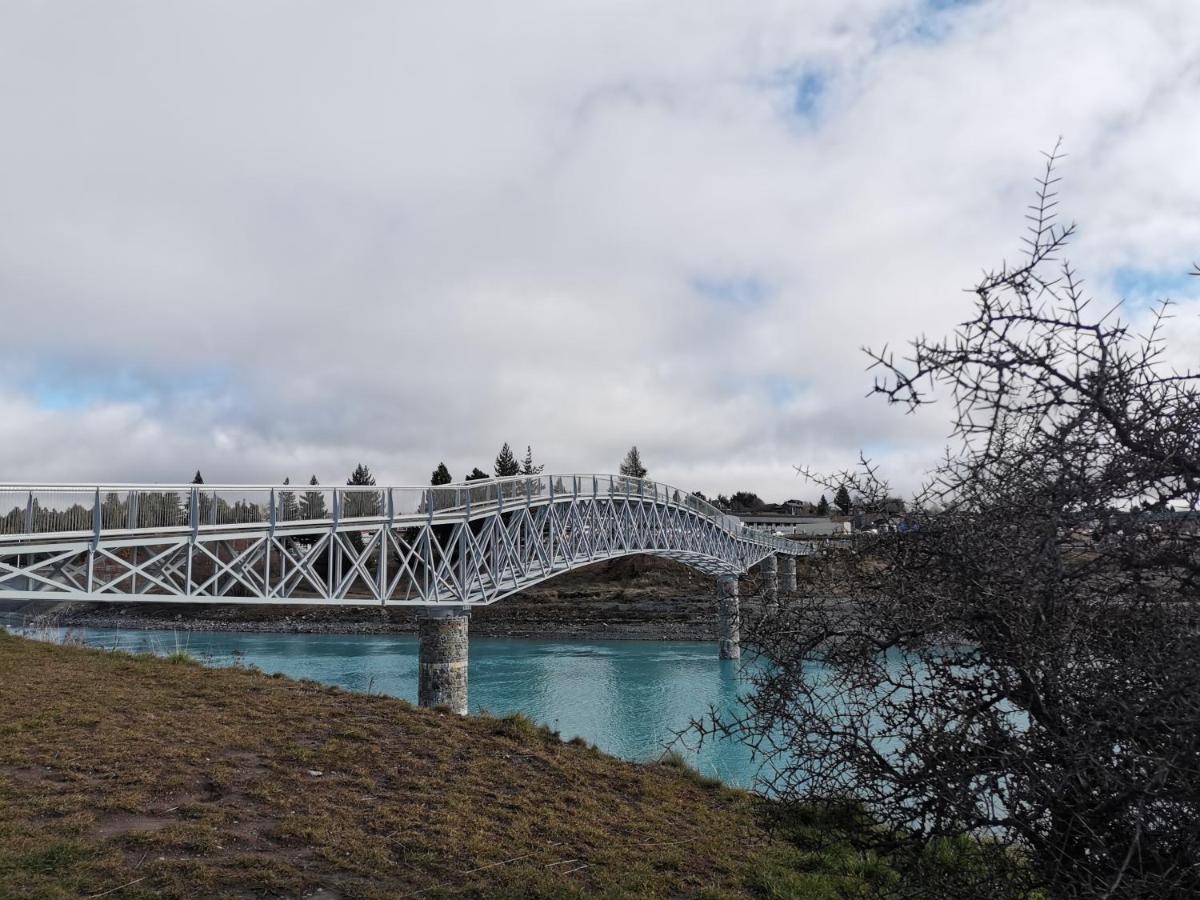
[29, 511]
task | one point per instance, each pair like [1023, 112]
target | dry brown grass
[145, 778]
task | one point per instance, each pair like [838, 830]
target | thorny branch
[1019, 669]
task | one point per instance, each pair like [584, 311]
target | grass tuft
[519, 727]
[675, 761]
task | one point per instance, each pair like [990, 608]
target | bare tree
[1016, 672]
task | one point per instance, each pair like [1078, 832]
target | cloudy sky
[278, 238]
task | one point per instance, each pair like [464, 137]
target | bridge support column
[787, 574]
[729, 617]
[442, 658]
[769, 570]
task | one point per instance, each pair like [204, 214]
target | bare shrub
[1018, 666]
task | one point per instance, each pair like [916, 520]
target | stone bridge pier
[777, 571]
[729, 617]
[787, 574]
[768, 570]
[442, 658]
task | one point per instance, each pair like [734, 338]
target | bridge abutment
[442, 659]
[787, 574]
[729, 617]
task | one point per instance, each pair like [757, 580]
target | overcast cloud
[278, 238]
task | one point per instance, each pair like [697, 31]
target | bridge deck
[459, 544]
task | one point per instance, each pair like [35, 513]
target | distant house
[885, 515]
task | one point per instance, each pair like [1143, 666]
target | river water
[627, 697]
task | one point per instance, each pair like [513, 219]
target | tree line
[169, 509]
[506, 465]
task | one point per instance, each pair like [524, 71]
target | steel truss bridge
[448, 546]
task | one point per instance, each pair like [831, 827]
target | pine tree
[312, 503]
[205, 505]
[361, 503]
[842, 500]
[632, 466]
[506, 463]
[115, 511]
[154, 509]
[477, 474]
[823, 506]
[527, 467]
[441, 475]
[287, 508]
[361, 476]
[357, 504]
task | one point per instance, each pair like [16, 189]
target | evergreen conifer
[312, 503]
[632, 466]
[527, 467]
[287, 507]
[506, 464]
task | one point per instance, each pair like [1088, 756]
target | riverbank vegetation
[146, 777]
[1021, 661]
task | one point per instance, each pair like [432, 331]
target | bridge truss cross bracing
[450, 546]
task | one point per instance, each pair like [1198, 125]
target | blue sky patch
[800, 90]
[930, 23]
[782, 389]
[56, 397]
[809, 88]
[738, 291]
[1140, 287]
[67, 390]
[878, 449]
[779, 390]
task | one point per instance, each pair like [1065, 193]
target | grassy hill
[131, 776]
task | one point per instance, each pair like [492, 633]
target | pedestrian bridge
[445, 548]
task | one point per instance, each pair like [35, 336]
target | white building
[782, 523]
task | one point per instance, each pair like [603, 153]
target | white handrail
[37, 510]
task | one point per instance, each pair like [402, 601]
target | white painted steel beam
[454, 545]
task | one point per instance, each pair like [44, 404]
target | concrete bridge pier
[442, 658]
[768, 569]
[787, 574]
[729, 617]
